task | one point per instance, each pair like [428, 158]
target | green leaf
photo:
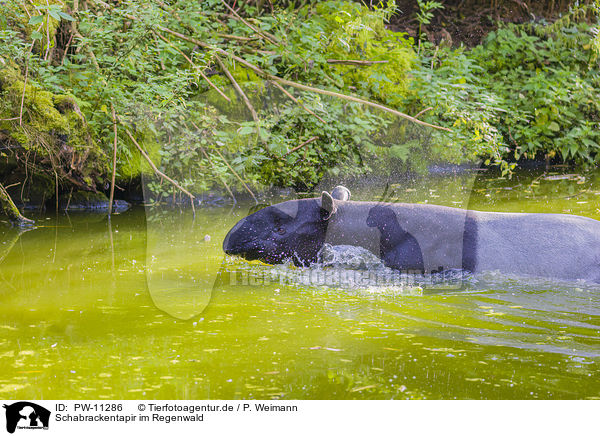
[246, 130]
[573, 149]
[66, 16]
[264, 134]
[36, 35]
[36, 19]
[554, 126]
[54, 14]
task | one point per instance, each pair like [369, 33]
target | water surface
[145, 307]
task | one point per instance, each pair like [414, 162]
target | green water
[139, 309]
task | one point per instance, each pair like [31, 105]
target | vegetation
[212, 95]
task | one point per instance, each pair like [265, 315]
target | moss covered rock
[49, 137]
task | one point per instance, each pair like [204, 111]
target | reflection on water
[149, 307]
[9, 239]
[181, 260]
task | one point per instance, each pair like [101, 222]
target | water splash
[351, 268]
[349, 257]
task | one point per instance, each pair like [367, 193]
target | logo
[26, 415]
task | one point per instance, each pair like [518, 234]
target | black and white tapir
[422, 237]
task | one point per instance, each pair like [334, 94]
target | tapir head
[292, 230]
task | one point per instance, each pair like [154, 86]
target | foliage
[550, 83]
[453, 91]
[156, 85]
[528, 90]
[425, 13]
[348, 130]
[348, 31]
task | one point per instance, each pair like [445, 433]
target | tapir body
[422, 237]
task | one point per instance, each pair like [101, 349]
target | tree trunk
[8, 207]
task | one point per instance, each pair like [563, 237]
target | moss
[38, 105]
[132, 164]
[361, 34]
[242, 74]
[53, 131]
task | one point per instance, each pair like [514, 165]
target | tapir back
[547, 245]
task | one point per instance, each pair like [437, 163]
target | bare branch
[308, 141]
[297, 85]
[236, 37]
[229, 166]
[156, 170]
[266, 35]
[423, 111]
[114, 172]
[237, 88]
[9, 208]
[23, 95]
[187, 58]
[298, 102]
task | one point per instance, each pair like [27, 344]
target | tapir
[422, 237]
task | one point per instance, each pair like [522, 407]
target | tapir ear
[328, 206]
[341, 193]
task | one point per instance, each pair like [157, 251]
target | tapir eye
[280, 230]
